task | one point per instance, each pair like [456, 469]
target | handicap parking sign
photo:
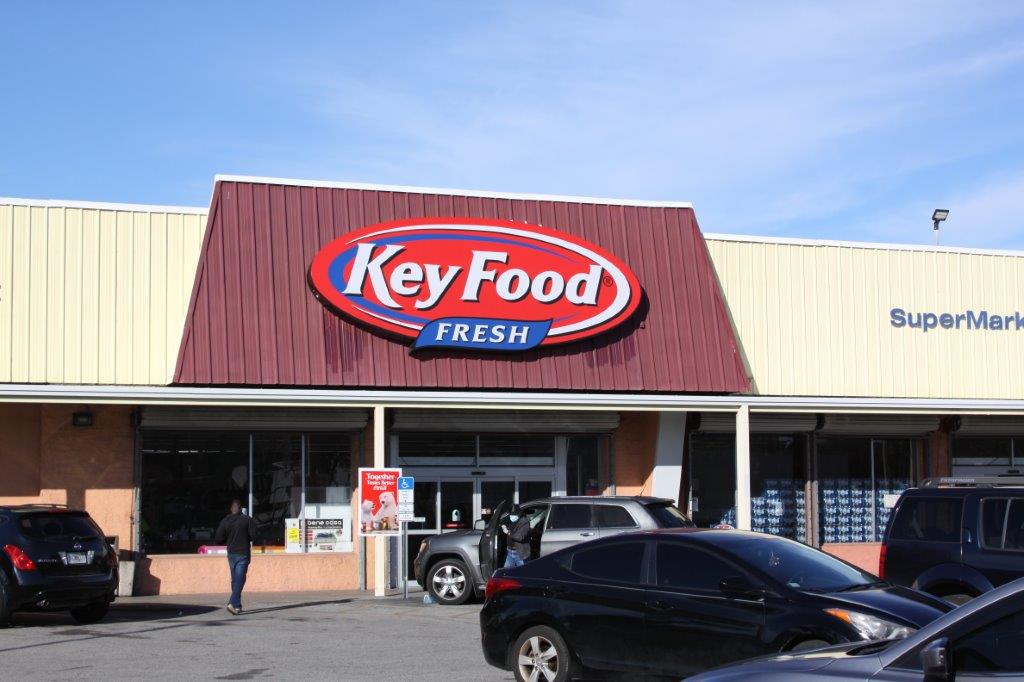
[406, 483]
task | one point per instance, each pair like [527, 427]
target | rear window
[564, 516]
[613, 516]
[1002, 524]
[928, 519]
[621, 563]
[993, 521]
[668, 516]
[48, 526]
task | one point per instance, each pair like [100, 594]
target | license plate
[77, 558]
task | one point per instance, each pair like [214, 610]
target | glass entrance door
[493, 492]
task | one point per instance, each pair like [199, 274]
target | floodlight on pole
[938, 216]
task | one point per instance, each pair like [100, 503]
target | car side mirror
[935, 661]
[739, 586]
[480, 524]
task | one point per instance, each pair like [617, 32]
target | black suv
[54, 559]
[956, 537]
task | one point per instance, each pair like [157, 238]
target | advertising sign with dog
[378, 501]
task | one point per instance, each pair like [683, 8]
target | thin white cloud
[769, 117]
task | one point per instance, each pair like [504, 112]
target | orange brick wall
[633, 443]
[862, 554]
[195, 574]
[83, 467]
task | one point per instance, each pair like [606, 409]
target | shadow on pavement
[300, 605]
[119, 613]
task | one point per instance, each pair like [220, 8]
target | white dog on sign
[366, 516]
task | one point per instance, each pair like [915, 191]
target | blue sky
[843, 121]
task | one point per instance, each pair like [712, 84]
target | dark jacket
[237, 531]
[519, 537]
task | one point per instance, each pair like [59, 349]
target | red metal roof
[253, 320]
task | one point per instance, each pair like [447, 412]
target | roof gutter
[285, 397]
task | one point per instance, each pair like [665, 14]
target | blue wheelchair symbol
[406, 482]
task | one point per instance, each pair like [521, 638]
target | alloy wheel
[449, 582]
[538, 660]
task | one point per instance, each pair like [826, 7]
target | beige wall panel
[88, 353]
[140, 350]
[6, 311]
[20, 292]
[39, 278]
[156, 359]
[814, 319]
[94, 295]
[71, 348]
[107, 304]
[56, 253]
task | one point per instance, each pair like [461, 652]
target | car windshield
[59, 526]
[798, 566]
[668, 516]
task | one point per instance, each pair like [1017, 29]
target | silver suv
[453, 567]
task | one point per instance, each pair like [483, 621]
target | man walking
[518, 532]
[237, 531]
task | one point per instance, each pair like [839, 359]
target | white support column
[668, 455]
[380, 544]
[743, 468]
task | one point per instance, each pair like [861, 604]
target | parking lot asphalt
[309, 636]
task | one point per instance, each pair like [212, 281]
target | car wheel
[5, 602]
[541, 655]
[809, 644]
[90, 613]
[448, 582]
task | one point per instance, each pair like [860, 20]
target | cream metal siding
[814, 319]
[94, 294]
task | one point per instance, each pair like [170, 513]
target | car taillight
[496, 585]
[21, 561]
[881, 562]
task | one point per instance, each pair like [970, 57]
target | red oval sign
[475, 283]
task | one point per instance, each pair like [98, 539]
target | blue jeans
[239, 565]
[513, 560]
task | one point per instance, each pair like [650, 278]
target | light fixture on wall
[938, 216]
[82, 418]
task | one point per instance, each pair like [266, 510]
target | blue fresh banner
[482, 334]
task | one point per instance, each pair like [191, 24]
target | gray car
[983, 640]
[455, 566]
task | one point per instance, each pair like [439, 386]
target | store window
[188, 481]
[517, 449]
[276, 484]
[288, 483]
[444, 449]
[778, 473]
[713, 479]
[859, 481]
[980, 456]
[586, 466]
[429, 448]
[777, 477]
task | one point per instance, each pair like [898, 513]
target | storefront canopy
[254, 319]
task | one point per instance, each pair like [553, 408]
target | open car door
[492, 544]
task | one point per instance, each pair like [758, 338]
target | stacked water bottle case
[852, 512]
[779, 510]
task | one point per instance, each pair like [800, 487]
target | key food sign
[469, 283]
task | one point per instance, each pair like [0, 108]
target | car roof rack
[1003, 480]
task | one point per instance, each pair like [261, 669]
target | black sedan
[682, 601]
